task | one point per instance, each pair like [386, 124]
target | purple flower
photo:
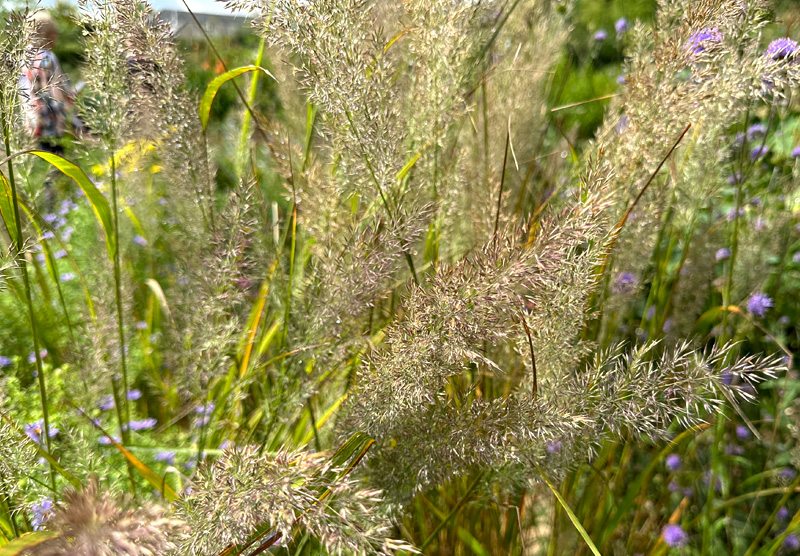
[796, 257]
[621, 26]
[134, 394]
[723, 254]
[50, 218]
[32, 356]
[674, 535]
[791, 542]
[42, 512]
[36, 429]
[783, 513]
[759, 152]
[107, 403]
[139, 240]
[668, 324]
[788, 473]
[703, 36]
[673, 487]
[781, 48]
[600, 35]
[759, 303]
[625, 283]
[731, 216]
[66, 277]
[796, 152]
[735, 178]
[141, 325]
[204, 414]
[673, 462]
[756, 131]
[142, 425]
[621, 80]
[742, 432]
[734, 450]
[166, 457]
[553, 447]
[106, 441]
[5, 361]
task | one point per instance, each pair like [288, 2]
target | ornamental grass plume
[245, 492]
[93, 523]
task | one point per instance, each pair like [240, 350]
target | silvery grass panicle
[17, 459]
[93, 523]
[243, 491]
[701, 65]
[16, 53]
[422, 396]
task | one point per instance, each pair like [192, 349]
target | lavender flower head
[796, 152]
[742, 432]
[723, 254]
[600, 35]
[702, 39]
[35, 431]
[759, 152]
[674, 535]
[783, 513]
[42, 512]
[622, 26]
[780, 49]
[756, 131]
[791, 542]
[759, 303]
[673, 462]
[625, 283]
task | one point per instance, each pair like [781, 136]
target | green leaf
[472, 542]
[572, 517]
[216, 83]
[26, 541]
[7, 207]
[97, 200]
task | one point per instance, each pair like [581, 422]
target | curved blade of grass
[216, 83]
[7, 208]
[155, 287]
[572, 517]
[324, 417]
[26, 542]
[97, 200]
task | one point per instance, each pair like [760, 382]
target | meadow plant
[425, 288]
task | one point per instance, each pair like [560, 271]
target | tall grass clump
[420, 314]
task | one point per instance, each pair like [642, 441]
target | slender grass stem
[20, 258]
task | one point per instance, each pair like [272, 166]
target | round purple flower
[756, 131]
[35, 431]
[5, 361]
[621, 80]
[759, 303]
[735, 178]
[791, 542]
[742, 432]
[702, 39]
[43, 510]
[796, 152]
[167, 457]
[723, 254]
[782, 48]
[783, 513]
[553, 447]
[788, 473]
[622, 26]
[759, 152]
[673, 462]
[600, 35]
[139, 240]
[673, 487]
[107, 403]
[134, 394]
[796, 257]
[674, 535]
[144, 424]
[625, 283]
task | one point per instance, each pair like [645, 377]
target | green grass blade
[7, 208]
[98, 201]
[216, 83]
[572, 517]
[26, 542]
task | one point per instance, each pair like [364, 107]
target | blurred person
[47, 91]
